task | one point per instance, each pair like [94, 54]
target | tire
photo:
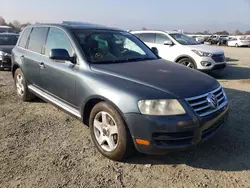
[188, 63]
[21, 86]
[236, 45]
[121, 143]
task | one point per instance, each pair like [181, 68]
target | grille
[218, 58]
[201, 105]
[212, 129]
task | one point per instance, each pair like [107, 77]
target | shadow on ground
[228, 150]
[231, 59]
[38, 100]
[232, 72]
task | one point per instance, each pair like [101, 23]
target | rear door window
[24, 37]
[37, 39]
[146, 37]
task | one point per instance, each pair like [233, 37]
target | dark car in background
[217, 40]
[114, 83]
[7, 43]
[7, 29]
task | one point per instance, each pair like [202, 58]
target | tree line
[14, 24]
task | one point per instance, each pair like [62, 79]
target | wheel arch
[91, 102]
[182, 57]
[14, 68]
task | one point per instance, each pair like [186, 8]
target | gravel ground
[41, 146]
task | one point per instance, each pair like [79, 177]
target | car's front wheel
[188, 63]
[109, 132]
[21, 86]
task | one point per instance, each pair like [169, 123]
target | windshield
[8, 39]
[112, 47]
[184, 39]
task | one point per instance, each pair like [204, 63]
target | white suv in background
[180, 48]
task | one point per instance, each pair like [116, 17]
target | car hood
[177, 80]
[206, 48]
[6, 48]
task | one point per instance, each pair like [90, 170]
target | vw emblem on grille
[212, 100]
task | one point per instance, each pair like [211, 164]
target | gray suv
[110, 80]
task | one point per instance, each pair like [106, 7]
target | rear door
[32, 56]
[58, 77]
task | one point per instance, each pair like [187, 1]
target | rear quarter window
[24, 37]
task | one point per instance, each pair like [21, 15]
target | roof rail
[82, 23]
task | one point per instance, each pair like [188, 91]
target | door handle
[22, 57]
[42, 65]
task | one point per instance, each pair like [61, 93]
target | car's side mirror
[168, 42]
[155, 51]
[61, 54]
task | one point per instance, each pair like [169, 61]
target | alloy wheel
[106, 131]
[19, 85]
[188, 64]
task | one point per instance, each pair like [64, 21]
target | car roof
[76, 25]
[9, 34]
[146, 31]
[4, 26]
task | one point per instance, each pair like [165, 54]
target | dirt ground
[41, 146]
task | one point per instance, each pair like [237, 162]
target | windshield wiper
[139, 59]
[125, 60]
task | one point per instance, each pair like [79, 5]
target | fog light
[206, 63]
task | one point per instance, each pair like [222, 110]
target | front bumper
[174, 133]
[5, 62]
[215, 65]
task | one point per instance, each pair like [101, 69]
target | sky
[187, 15]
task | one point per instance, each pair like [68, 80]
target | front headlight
[161, 107]
[200, 53]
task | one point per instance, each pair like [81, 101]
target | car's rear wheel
[21, 86]
[109, 132]
[236, 45]
[188, 63]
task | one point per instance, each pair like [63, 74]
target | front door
[58, 77]
[165, 51]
